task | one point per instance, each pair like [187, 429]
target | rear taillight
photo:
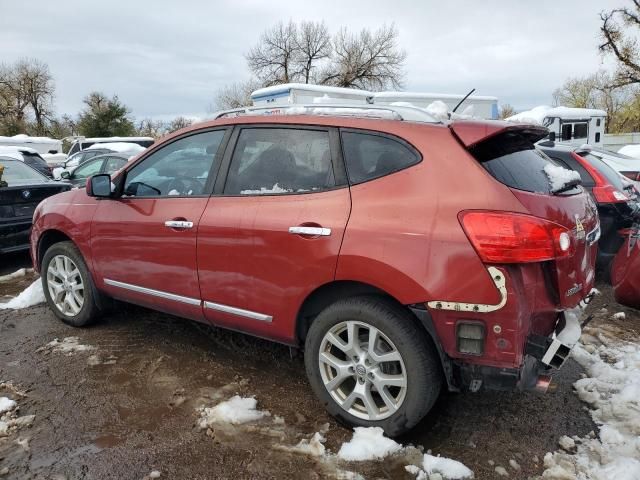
[635, 176]
[603, 191]
[507, 237]
[608, 194]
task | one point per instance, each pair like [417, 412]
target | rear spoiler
[471, 132]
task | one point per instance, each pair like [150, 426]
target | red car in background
[404, 254]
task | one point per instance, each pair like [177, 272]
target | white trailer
[302, 93]
[575, 126]
[475, 105]
[42, 145]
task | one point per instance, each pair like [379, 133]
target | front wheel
[371, 365]
[68, 286]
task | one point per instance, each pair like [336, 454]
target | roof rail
[387, 112]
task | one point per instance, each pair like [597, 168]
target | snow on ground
[68, 346]
[30, 296]
[236, 410]
[559, 176]
[9, 419]
[612, 388]
[313, 446]
[367, 444]
[445, 467]
[17, 274]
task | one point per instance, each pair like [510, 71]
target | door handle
[311, 231]
[182, 224]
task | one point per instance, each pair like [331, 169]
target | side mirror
[65, 174]
[99, 186]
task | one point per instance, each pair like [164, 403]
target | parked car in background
[623, 164]
[632, 151]
[25, 189]
[404, 254]
[82, 143]
[109, 163]
[29, 156]
[614, 196]
[129, 149]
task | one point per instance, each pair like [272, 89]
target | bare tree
[367, 60]
[621, 44]
[313, 45]
[235, 95]
[26, 91]
[148, 127]
[507, 111]
[178, 123]
[272, 60]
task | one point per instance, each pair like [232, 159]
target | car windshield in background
[16, 172]
[613, 176]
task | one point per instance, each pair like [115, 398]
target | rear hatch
[507, 153]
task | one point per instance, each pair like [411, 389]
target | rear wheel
[371, 365]
[68, 286]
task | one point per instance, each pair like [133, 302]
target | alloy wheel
[65, 285]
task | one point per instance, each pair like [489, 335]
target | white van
[39, 144]
[82, 143]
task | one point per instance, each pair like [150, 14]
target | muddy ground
[128, 406]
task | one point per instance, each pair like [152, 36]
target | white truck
[575, 126]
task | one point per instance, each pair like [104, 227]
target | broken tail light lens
[508, 237]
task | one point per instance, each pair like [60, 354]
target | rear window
[17, 172]
[612, 176]
[513, 160]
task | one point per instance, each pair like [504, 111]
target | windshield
[16, 172]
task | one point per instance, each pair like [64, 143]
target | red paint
[625, 271]
[400, 233]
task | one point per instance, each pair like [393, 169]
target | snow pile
[438, 110]
[447, 468]
[560, 176]
[630, 151]
[9, 419]
[7, 404]
[367, 444]
[314, 446]
[619, 316]
[235, 411]
[17, 274]
[30, 296]
[275, 189]
[538, 114]
[68, 346]
[612, 388]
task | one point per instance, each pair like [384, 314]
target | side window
[567, 131]
[269, 161]
[87, 169]
[180, 168]
[580, 130]
[113, 164]
[369, 156]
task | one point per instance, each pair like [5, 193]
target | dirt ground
[128, 406]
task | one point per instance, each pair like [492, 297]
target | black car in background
[29, 156]
[614, 196]
[109, 163]
[25, 189]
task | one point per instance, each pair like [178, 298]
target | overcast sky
[167, 58]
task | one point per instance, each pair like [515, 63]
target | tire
[64, 257]
[410, 375]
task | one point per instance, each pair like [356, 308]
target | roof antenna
[462, 101]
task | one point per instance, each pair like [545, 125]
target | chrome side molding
[152, 292]
[238, 311]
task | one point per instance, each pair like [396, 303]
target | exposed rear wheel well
[330, 293]
[47, 239]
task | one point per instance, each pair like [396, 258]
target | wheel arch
[48, 238]
[329, 293]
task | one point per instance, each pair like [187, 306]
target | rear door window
[271, 161]
[368, 155]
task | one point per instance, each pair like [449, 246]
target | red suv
[404, 254]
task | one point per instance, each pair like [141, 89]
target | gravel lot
[128, 406]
